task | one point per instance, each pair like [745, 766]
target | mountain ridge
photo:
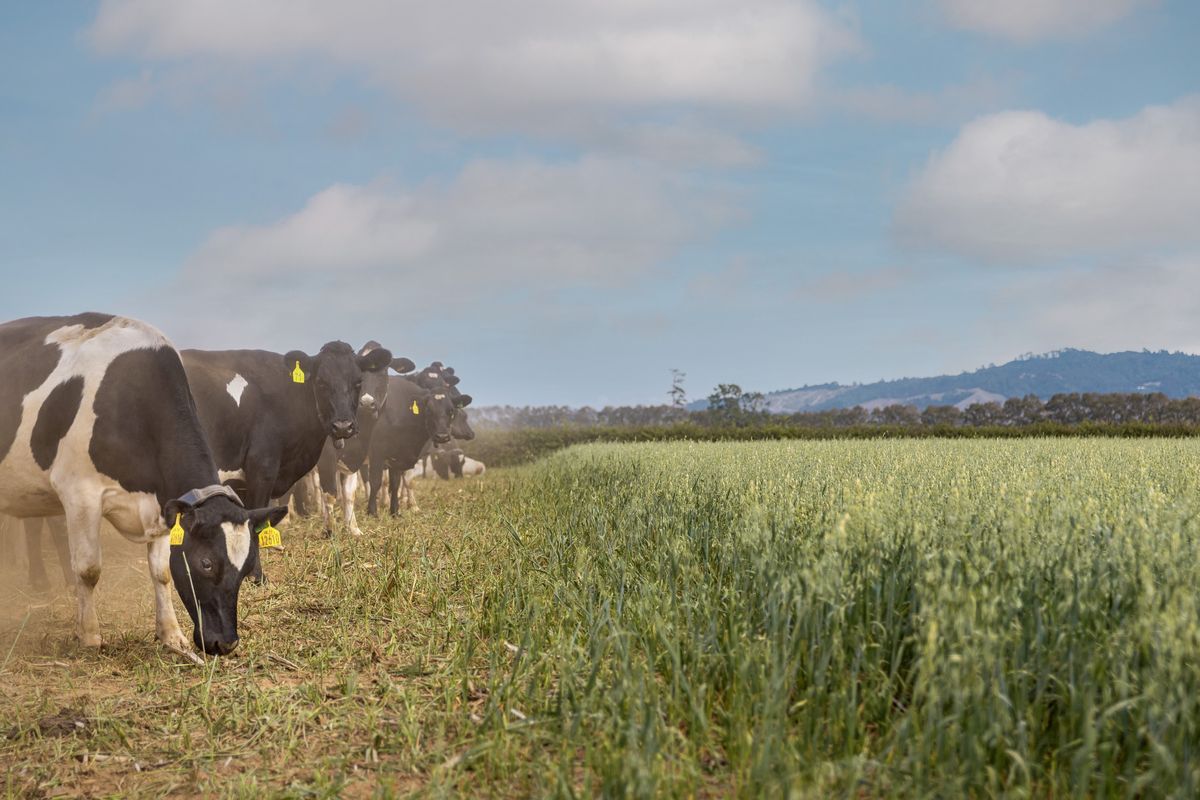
[1174, 374]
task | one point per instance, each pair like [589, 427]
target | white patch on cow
[367, 399]
[26, 490]
[439, 397]
[237, 543]
[235, 388]
[231, 475]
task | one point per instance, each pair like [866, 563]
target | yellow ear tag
[177, 531]
[268, 536]
[297, 374]
[415, 408]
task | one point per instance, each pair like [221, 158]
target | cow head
[460, 428]
[438, 410]
[219, 548]
[336, 377]
[375, 382]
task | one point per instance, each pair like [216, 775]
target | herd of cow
[101, 418]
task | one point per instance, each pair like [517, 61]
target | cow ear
[403, 365]
[274, 515]
[376, 360]
[174, 507]
[298, 357]
[451, 380]
[463, 400]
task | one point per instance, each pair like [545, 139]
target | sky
[565, 199]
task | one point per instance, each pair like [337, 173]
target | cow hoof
[91, 640]
[41, 586]
[356, 532]
[327, 533]
[177, 643]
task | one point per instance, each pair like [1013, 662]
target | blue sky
[566, 199]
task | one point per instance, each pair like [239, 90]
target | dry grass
[341, 686]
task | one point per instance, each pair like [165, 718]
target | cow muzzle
[343, 429]
[220, 647]
[441, 438]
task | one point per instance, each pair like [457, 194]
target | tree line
[729, 406]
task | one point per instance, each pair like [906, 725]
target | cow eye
[206, 564]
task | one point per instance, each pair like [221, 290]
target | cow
[267, 415]
[339, 468]
[419, 409]
[97, 422]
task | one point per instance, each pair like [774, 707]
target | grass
[811, 619]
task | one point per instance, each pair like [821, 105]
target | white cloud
[546, 66]
[1022, 187]
[1150, 303]
[1031, 20]
[498, 232]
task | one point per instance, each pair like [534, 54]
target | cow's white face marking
[231, 474]
[235, 388]
[439, 397]
[237, 543]
[367, 400]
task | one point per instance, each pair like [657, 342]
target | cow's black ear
[463, 400]
[298, 357]
[403, 365]
[376, 360]
[451, 380]
[174, 507]
[260, 515]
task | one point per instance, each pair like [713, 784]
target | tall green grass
[909, 618]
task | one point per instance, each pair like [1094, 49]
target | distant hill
[1173, 374]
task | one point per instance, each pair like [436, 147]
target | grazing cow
[339, 467]
[97, 422]
[268, 415]
[419, 409]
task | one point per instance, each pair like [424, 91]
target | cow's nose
[222, 648]
[343, 429]
[442, 438]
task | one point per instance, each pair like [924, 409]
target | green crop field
[912, 618]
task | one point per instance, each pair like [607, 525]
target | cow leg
[319, 494]
[410, 499]
[349, 488]
[394, 484]
[58, 535]
[166, 624]
[83, 534]
[376, 479]
[33, 552]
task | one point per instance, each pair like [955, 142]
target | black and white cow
[420, 409]
[268, 415]
[338, 468]
[97, 422]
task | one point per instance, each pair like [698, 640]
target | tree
[754, 402]
[726, 400]
[678, 393]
